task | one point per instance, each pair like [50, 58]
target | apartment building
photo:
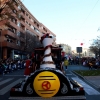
[12, 35]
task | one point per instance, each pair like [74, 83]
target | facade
[85, 53]
[12, 35]
[66, 49]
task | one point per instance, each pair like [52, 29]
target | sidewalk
[93, 80]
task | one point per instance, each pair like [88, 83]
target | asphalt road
[11, 79]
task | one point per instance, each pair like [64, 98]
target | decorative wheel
[64, 89]
[46, 84]
[29, 90]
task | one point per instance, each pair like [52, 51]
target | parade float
[47, 82]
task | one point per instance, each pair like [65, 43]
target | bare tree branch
[31, 41]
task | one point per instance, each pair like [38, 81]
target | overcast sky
[73, 21]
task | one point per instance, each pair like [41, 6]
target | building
[12, 35]
[85, 53]
[66, 49]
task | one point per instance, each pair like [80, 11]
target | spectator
[28, 67]
[1, 68]
[65, 63]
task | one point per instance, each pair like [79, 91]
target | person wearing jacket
[28, 66]
[65, 63]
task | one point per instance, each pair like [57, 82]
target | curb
[82, 77]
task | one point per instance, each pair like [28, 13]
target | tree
[31, 42]
[94, 49]
[95, 46]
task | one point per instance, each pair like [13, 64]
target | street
[9, 80]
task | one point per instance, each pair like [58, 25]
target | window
[37, 30]
[18, 33]
[19, 16]
[35, 22]
[44, 29]
[13, 20]
[38, 25]
[14, 30]
[23, 11]
[30, 25]
[9, 39]
[22, 35]
[26, 22]
[18, 42]
[29, 17]
[15, 2]
[26, 14]
[32, 20]
[14, 11]
[18, 24]
[19, 7]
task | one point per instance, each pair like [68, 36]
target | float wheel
[28, 89]
[64, 87]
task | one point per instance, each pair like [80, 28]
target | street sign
[79, 49]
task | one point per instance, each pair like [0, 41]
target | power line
[89, 13]
[92, 10]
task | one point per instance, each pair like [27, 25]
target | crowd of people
[30, 65]
[9, 65]
[91, 62]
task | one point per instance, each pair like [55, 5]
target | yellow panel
[46, 84]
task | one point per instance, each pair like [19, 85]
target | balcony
[8, 32]
[8, 44]
[2, 22]
[13, 24]
[22, 22]
[22, 14]
[11, 45]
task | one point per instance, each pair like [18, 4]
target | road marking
[88, 89]
[14, 75]
[8, 87]
[5, 81]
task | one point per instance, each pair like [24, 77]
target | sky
[73, 21]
